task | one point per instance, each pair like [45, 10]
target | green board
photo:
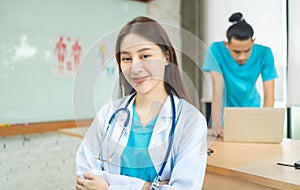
[33, 86]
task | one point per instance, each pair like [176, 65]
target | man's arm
[216, 109]
[268, 93]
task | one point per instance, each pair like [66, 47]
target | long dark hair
[240, 29]
[154, 32]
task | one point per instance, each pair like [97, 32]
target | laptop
[259, 125]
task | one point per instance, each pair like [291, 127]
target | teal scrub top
[240, 80]
[135, 159]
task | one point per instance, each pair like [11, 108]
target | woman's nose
[136, 66]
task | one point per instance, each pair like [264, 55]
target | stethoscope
[156, 181]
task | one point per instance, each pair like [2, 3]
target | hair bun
[236, 17]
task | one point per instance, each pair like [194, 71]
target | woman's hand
[91, 182]
[147, 185]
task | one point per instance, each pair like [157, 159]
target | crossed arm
[94, 182]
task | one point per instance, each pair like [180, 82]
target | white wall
[267, 18]
[293, 90]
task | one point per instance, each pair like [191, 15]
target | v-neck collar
[137, 124]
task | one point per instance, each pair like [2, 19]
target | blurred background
[41, 43]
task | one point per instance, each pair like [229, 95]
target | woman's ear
[167, 58]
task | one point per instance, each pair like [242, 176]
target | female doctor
[152, 138]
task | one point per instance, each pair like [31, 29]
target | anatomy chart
[67, 53]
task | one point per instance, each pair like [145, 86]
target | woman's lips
[139, 80]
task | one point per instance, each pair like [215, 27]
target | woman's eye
[126, 59]
[145, 56]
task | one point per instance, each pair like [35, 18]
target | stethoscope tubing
[110, 123]
[171, 134]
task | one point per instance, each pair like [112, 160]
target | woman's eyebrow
[124, 52]
[144, 49]
[140, 50]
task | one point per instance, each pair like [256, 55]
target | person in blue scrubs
[235, 66]
[113, 156]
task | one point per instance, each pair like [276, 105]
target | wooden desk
[78, 132]
[252, 166]
[247, 166]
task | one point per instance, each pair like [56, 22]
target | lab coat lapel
[163, 123]
[160, 137]
[116, 133]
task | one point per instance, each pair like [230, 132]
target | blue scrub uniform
[240, 80]
[135, 159]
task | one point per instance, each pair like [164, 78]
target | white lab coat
[185, 168]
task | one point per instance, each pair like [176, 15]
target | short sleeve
[210, 60]
[268, 66]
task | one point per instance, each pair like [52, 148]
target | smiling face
[143, 64]
[240, 50]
